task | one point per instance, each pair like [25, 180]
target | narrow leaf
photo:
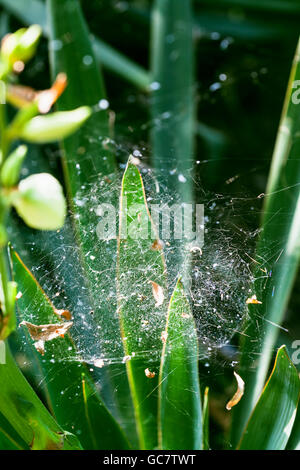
[280, 234]
[179, 391]
[9, 438]
[54, 126]
[10, 171]
[294, 440]
[173, 93]
[142, 316]
[272, 419]
[26, 413]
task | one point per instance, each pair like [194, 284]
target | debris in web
[238, 394]
[158, 293]
[149, 374]
[253, 300]
[42, 333]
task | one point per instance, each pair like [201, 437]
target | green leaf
[27, 415]
[294, 440]
[67, 379]
[7, 300]
[9, 439]
[121, 65]
[10, 171]
[3, 236]
[21, 45]
[258, 5]
[272, 419]
[142, 317]
[214, 19]
[40, 201]
[6, 443]
[179, 391]
[54, 126]
[281, 234]
[110, 58]
[173, 101]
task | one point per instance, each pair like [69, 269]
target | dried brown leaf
[40, 346]
[253, 300]
[99, 363]
[157, 245]
[47, 98]
[164, 336]
[149, 374]
[238, 394]
[196, 249]
[42, 333]
[63, 313]
[19, 295]
[158, 294]
[21, 96]
[185, 315]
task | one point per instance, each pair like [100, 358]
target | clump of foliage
[156, 379]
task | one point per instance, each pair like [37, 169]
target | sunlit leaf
[142, 317]
[40, 202]
[272, 419]
[173, 93]
[9, 438]
[179, 392]
[280, 233]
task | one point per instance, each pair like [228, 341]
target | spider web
[220, 277]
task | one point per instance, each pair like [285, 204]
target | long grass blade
[280, 236]
[141, 297]
[27, 415]
[173, 103]
[9, 438]
[179, 390]
[272, 419]
[294, 440]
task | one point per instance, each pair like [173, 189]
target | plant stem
[2, 131]
[4, 271]
[4, 278]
